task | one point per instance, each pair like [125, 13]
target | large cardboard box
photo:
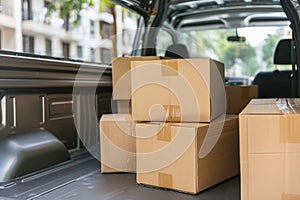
[121, 76]
[185, 90]
[124, 106]
[117, 143]
[238, 97]
[186, 156]
[270, 150]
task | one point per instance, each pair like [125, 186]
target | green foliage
[268, 49]
[251, 59]
[65, 7]
[230, 53]
[105, 4]
[251, 68]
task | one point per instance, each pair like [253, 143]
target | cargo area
[81, 179]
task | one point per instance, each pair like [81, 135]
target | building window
[26, 10]
[47, 3]
[106, 29]
[79, 51]
[48, 47]
[66, 24]
[66, 49]
[92, 27]
[28, 44]
[46, 9]
[79, 21]
[106, 55]
[92, 54]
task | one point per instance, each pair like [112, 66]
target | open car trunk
[38, 93]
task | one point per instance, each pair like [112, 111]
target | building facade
[26, 27]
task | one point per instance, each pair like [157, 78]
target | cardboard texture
[186, 90]
[238, 97]
[121, 76]
[270, 150]
[117, 143]
[168, 155]
[124, 106]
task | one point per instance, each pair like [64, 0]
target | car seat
[277, 84]
[177, 51]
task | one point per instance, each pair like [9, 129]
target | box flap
[177, 90]
[197, 125]
[175, 124]
[116, 118]
[279, 106]
[121, 77]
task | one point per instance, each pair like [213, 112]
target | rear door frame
[291, 8]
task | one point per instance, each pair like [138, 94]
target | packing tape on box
[165, 134]
[288, 106]
[289, 129]
[169, 68]
[173, 112]
[165, 180]
[290, 197]
[289, 122]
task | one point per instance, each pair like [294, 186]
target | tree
[65, 7]
[106, 5]
[230, 53]
[268, 49]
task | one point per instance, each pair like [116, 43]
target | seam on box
[169, 67]
[285, 196]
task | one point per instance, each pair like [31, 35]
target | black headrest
[177, 51]
[283, 52]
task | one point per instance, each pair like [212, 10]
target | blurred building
[25, 27]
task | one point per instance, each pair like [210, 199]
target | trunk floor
[81, 179]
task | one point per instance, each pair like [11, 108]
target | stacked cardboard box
[270, 150]
[239, 96]
[117, 142]
[179, 90]
[122, 81]
[179, 107]
[178, 128]
[187, 157]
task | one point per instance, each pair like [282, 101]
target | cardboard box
[117, 143]
[124, 106]
[270, 150]
[238, 97]
[185, 90]
[121, 76]
[186, 156]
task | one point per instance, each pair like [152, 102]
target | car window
[241, 59]
[164, 39]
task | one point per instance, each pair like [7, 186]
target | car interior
[46, 155]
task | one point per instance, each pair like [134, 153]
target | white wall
[40, 44]
[73, 50]
[8, 39]
[56, 47]
[17, 10]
